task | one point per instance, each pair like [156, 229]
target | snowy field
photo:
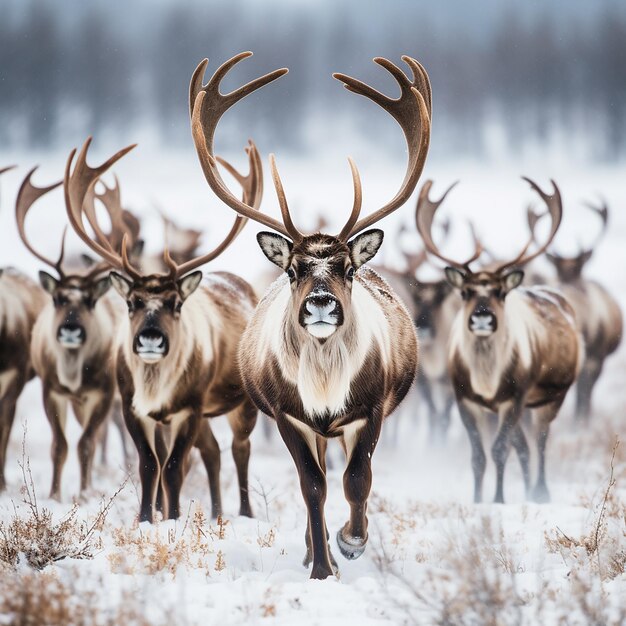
[433, 556]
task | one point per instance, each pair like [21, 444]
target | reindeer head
[155, 302]
[569, 269]
[428, 299]
[484, 292]
[74, 296]
[320, 267]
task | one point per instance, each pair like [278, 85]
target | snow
[430, 549]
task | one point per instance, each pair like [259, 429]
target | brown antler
[603, 213]
[26, 197]
[424, 216]
[412, 111]
[7, 168]
[252, 186]
[555, 210]
[77, 185]
[207, 105]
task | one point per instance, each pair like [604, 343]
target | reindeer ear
[49, 283]
[101, 287]
[121, 285]
[365, 246]
[455, 277]
[188, 284]
[276, 248]
[512, 279]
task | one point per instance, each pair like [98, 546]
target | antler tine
[555, 210]
[26, 197]
[356, 206]
[207, 105]
[252, 194]
[603, 214]
[7, 168]
[294, 233]
[412, 112]
[77, 184]
[424, 216]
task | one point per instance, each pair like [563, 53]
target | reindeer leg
[510, 413]
[7, 415]
[426, 392]
[322, 446]
[242, 421]
[301, 442]
[55, 406]
[591, 370]
[360, 441]
[544, 416]
[94, 416]
[469, 415]
[211, 457]
[518, 440]
[142, 432]
[174, 467]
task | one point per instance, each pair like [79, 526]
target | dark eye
[497, 293]
[139, 303]
[350, 273]
[61, 300]
[178, 307]
[466, 294]
[291, 274]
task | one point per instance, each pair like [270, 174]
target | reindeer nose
[325, 303]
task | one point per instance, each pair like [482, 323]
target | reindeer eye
[139, 303]
[291, 274]
[61, 300]
[350, 273]
[179, 306]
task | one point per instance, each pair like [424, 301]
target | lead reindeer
[71, 348]
[21, 301]
[510, 349]
[598, 315]
[177, 353]
[330, 351]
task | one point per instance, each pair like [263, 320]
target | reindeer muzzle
[482, 323]
[321, 314]
[71, 336]
[150, 345]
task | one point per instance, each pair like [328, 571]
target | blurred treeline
[506, 75]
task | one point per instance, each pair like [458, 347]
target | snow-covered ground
[433, 556]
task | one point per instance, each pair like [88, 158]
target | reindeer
[176, 353]
[434, 305]
[510, 349]
[71, 348]
[21, 301]
[598, 315]
[330, 351]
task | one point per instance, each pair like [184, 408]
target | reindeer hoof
[351, 548]
[540, 494]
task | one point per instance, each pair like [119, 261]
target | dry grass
[38, 539]
[43, 599]
[162, 548]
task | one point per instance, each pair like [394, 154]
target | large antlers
[206, 106]
[424, 216]
[555, 210]
[78, 183]
[411, 111]
[26, 197]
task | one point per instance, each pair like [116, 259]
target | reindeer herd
[329, 351]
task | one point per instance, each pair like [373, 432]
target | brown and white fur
[21, 301]
[176, 365]
[329, 352]
[599, 320]
[511, 349]
[72, 353]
